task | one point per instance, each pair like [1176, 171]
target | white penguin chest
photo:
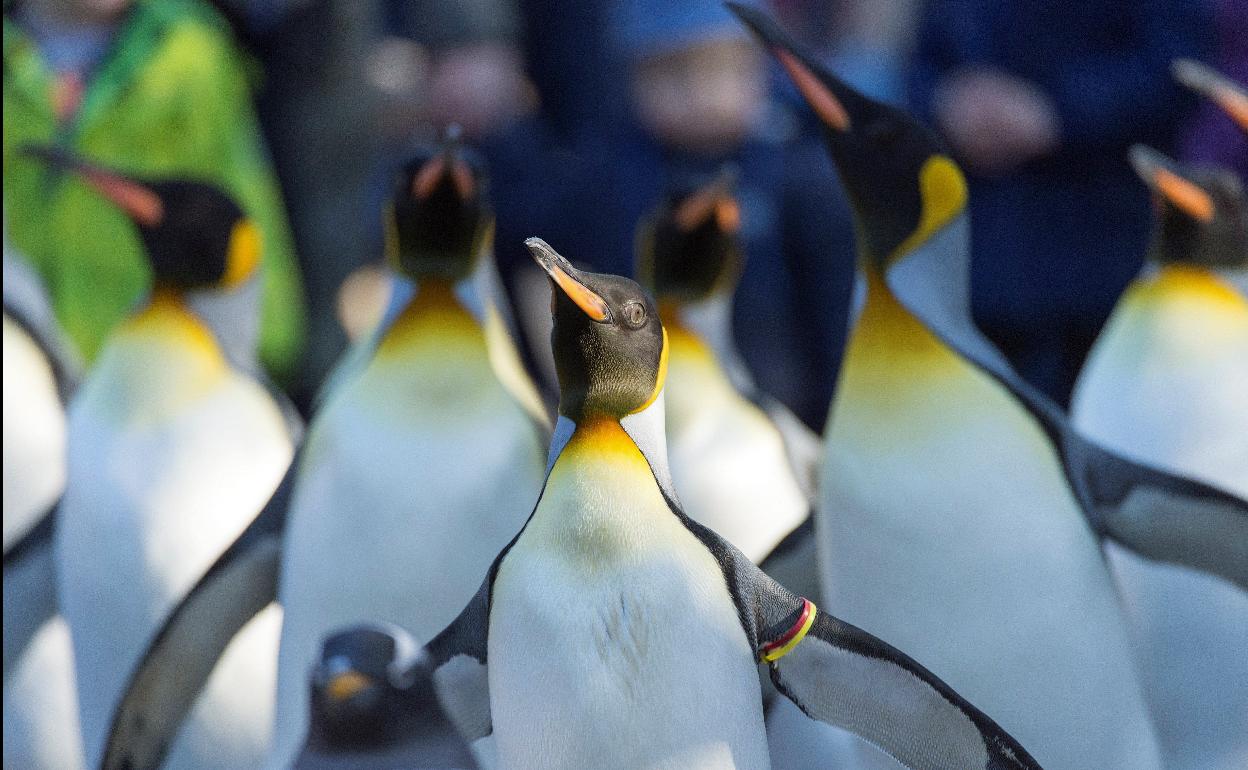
[34, 434]
[614, 641]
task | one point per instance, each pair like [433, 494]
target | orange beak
[1232, 98]
[137, 200]
[1158, 172]
[564, 276]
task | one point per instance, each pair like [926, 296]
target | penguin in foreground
[172, 451]
[743, 464]
[614, 631]
[40, 373]
[963, 513]
[1165, 383]
[373, 707]
[423, 464]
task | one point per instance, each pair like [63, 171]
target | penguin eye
[634, 313]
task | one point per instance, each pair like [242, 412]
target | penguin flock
[665, 568]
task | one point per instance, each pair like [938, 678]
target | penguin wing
[1162, 516]
[457, 657]
[839, 674]
[29, 588]
[180, 658]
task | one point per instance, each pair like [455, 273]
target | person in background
[1039, 102]
[1213, 137]
[698, 92]
[152, 87]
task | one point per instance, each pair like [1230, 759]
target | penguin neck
[637, 437]
[1179, 282]
[890, 346]
[161, 358]
[435, 321]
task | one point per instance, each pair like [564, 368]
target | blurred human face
[701, 99]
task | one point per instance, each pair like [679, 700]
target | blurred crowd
[586, 111]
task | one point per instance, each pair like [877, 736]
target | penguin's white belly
[41, 706]
[399, 513]
[1167, 388]
[34, 434]
[614, 642]
[947, 529]
[150, 504]
[731, 471]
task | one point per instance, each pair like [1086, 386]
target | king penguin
[372, 707]
[616, 632]
[172, 451]
[40, 373]
[1165, 383]
[951, 521]
[423, 464]
[744, 464]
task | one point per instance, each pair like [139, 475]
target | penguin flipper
[1162, 516]
[839, 674]
[182, 655]
[457, 657]
[29, 587]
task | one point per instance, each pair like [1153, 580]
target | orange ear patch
[427, 178]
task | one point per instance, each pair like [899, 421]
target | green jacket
[170, 98]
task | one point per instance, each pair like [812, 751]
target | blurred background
[584, 110]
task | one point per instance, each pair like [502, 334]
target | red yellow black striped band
[784, 644]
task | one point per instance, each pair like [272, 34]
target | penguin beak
[1232, 98]
[714, 200]
[566, 278]
[447, 164]
[816, 90]
[1159, 173]
[345, 685]
[137, 200]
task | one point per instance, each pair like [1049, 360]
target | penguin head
[439, 219]
[194, 235]
[610, 347]
[1202, 211]
[901, 183]
[358, 682]
[689, 248]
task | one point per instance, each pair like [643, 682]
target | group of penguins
[435, 574]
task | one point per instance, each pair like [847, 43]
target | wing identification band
[778, 648]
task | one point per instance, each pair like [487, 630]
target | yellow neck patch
[1197, 283]
[433, 321]
[604, 437]
[942, 189]
[167, 319]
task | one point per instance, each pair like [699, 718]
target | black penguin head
[610, 347]
[439, 220]
[1202, 211]
[689, 248]
[195, 236]
[357, 686]
[901, 183]
[1222, 91]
